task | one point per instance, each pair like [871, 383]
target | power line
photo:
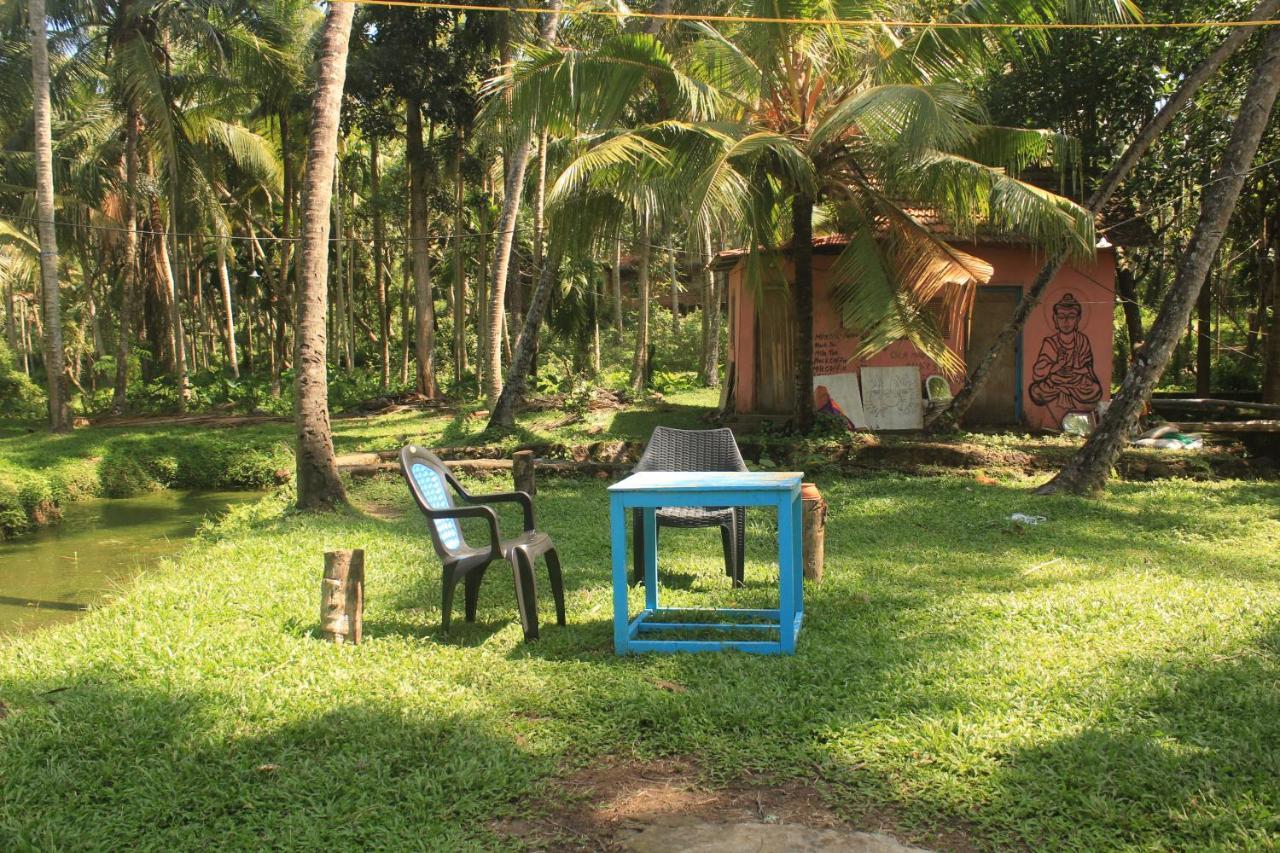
[859, 23]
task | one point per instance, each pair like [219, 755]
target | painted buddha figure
[1063, 378]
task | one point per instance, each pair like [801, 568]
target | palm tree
[948, 417]
[318, 483]
[759, 129]
[1088, 470]
[513, 183]
[59, 412]
[175, 72]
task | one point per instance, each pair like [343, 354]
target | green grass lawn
[1110, 678]
[38, 469]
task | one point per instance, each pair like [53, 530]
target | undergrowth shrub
[19, 396]
[212, 461]
[123, 475]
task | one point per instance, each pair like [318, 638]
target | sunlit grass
[1105, 679]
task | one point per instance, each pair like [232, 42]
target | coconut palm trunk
[318, 483]
[513, 182]
[129, 268]
[459, 277]
[379, 265]
[420, 250]
[228, 312]
[1088, 470]
[504, 409]
[711, 311]
[281, 299]
[615, 285]
[802, 300]
[173, 336]
[59, 411]
[1271, 365]
[640, 358]
[675, 286]
[948, 418]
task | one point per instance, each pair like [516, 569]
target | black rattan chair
[427, 477]
[672, 449]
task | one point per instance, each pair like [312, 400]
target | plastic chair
[428, 477]
[671, 449]
[937, 389]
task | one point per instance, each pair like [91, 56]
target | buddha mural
[1063, 378]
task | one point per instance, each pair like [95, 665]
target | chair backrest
[671, 449]
[429, 480]
[937, 388]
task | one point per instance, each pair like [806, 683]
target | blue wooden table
[653, 489]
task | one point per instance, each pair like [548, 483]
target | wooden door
[775, 353]
[998, 401]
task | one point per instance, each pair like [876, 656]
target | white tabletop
[660, 481]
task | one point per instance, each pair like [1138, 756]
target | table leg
[618, 535]
[650, 516]
[797, 526]
[787, 569]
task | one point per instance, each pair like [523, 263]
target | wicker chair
[430, 480]
[672, 449]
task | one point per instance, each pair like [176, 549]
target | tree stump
[522, 472]
[342, 596]
[815, 531]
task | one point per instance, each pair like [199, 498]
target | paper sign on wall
[891, 398]
[838, 395]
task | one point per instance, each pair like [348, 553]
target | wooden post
[342, 596]
[522, 472]
[815, 524]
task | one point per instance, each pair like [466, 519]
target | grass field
[1108, 679]
[38, 471]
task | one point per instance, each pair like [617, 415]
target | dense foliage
[179, 131]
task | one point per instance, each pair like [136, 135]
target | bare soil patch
[602, 808]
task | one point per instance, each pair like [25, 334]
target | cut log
[1230, 427]
[367, 465]
[522, 474]
[1199, 404]
[815, 525]
[342, 596]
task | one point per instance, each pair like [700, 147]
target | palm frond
[607, 151]
[906, 118]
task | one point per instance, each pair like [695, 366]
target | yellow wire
[840, 22]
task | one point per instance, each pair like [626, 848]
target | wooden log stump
[342, 596]
[522, 472]
[815, 526]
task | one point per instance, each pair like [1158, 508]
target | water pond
[54, 574]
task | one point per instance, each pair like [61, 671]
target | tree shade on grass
[1102, 680]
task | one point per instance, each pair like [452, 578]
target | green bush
[123, 475]
[214, 460]
[13, 515]
[19, 396]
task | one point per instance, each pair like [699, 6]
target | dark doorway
[999, 401]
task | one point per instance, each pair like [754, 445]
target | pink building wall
[1092, 287]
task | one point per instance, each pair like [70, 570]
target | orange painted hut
[1061, 363]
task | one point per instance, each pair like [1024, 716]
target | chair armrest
[522, 498]
[484, 512]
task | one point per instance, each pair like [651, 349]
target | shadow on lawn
[1191, 763]
[104, 762]
[965, 534]
[638, 424]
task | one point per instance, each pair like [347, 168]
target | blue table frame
[653, 489]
